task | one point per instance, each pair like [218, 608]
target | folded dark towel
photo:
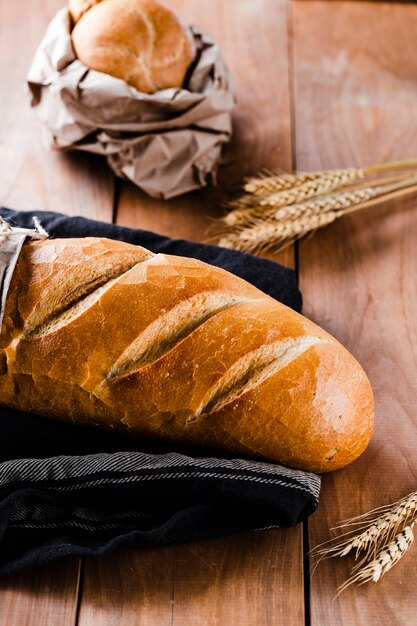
[71, 490]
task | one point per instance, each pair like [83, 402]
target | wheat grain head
[385, 560]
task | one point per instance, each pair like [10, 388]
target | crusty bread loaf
[139, 41]
[106, 333]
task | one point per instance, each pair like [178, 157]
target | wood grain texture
[355, 95]
[246, 580]
[132, 587]
[42, 597]
[31, 176]
[253, 578]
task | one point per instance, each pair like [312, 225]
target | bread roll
[139, 41]
[101, 332]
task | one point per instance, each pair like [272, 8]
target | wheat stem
[371, 182]
[407, 164]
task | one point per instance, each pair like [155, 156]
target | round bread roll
[139, 41]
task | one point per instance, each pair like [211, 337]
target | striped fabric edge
[132, 478]
[65, 467]
[182, 475]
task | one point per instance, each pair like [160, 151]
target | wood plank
[252, 578]
[129, 587]
[42, 597]
[33, 178]
[244, 580]
[355, 104]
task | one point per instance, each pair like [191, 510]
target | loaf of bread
[139, 41]
[102, 332]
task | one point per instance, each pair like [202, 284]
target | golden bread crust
[102, 332]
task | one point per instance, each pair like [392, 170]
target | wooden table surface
[320, 84]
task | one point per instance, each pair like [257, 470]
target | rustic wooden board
[41, 597]
[253, 578]
[354, 103]
[244, 580]
[210, 582]
[129, 587]
[355, 98]
[33, 178]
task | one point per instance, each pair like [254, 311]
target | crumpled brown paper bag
[167, 143]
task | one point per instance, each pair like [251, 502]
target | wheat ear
[332, 202]
[271, 183]
[370, 533]
[272, 232]
[276, 235]
[374, 532]
[264, 185]
[295, 221]
[250, 206]
[317, 187]
[385, 560]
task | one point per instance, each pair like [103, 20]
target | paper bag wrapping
[11, 242]
[167, 143]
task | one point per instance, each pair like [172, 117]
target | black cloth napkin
[73, 490]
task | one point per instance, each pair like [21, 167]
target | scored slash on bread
[102, 332]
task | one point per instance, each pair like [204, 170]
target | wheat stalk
[265, 236]
[333, 202]
[385, 560]
[317, 187]
[278, 228]
[249, 207]
[264, 185]
[273, 183]
[370, 536]
[295, 221]
[268, 185]
[374, 532]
